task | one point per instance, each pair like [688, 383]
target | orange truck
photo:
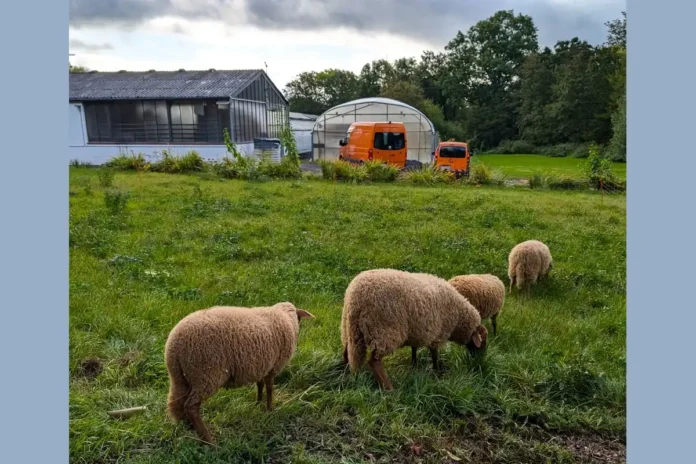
[375, 141]
[453, 156]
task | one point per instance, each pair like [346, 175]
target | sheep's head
[478, 340]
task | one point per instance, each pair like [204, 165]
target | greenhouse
[332, 126]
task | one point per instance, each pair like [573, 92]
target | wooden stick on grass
[126, 413]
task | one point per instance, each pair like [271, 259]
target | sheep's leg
[345, 354]
[435, 354]
[193, 411]
[269, 392]
[375, 364]
[414, 359]
[259, 391]
[493, 323]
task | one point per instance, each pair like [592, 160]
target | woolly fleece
[485, 291]
[227, 347]
[385, 309]
[528, 261]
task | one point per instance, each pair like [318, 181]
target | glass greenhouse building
[332, 126]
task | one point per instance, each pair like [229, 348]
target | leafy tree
[537, 80]
[314, 93]
[77, 69]
[375, 76]
[617, 31]
[304, 94]
[484, 68]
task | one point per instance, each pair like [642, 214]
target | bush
[130, 162]
[515, 147]
[574, 150]
[598, 168]
[381, 172]
[115, 201]
[173, 164]
[427, 175]
[342, 170]
[480, 174]
[536, 181]
[106, 177]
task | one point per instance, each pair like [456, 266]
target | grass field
[524, 166]
[551, 388]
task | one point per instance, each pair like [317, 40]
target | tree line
[493, 85]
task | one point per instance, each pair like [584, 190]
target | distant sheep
[227, 347]
[528, 262]
[385, 309]
[485, 291]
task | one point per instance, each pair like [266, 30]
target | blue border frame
[34, 263]
[660, 236]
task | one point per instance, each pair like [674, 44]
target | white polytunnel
[332, 126]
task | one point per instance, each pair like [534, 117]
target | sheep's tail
[357, 349]
[178, 392]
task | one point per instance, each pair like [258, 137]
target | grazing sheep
[528, 262]
[485, 291]
[227, 347]
[385, 309]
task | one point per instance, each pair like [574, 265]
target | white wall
[97, 154]
[303, 138]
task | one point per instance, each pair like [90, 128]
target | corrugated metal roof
[159, 84]
[302, 116]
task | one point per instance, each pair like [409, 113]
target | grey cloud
[131, 13]
[431, 21]
[78, 45]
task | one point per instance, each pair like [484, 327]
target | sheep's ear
[480, 336]
[301, 314]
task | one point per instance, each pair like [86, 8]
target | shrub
[381, 172]
[115, 201]
[106, 177]
[130, 162]
[226, 168]
[598, 168]
[480, 174]
[536, 181]
[292, 154]
[172, 164]
[427, 175]
[574, 150]
[515, 147]
[342, 170]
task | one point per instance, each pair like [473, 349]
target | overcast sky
[293, 36]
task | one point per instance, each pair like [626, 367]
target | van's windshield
[452, 152]
[389, 140]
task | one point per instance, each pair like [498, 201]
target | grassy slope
[556, 368]
[527, 165]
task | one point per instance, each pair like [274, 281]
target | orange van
[453, 156]
[375, 141]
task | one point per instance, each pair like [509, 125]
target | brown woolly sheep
[528, 262]
[485, 291]
[227, 347]
[385, 309]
